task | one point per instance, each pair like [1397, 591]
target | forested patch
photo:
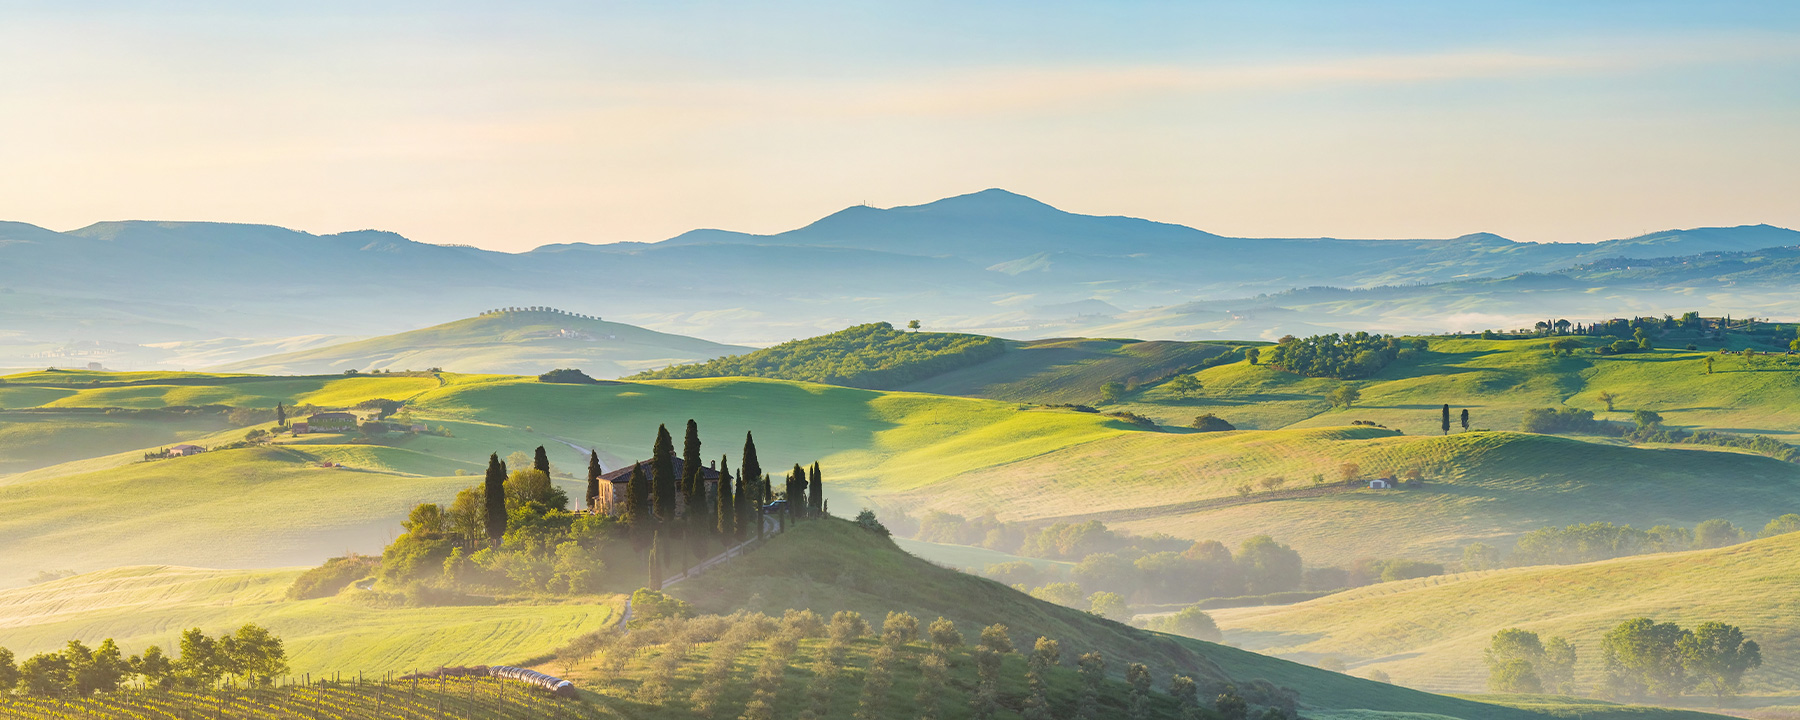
[1345, 357]
[873, 356]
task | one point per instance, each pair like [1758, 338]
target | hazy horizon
[545, 123]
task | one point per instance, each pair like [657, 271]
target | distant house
[615, 487]
[185, 450]
[330, 422]
[1382, 484]
[299, 427]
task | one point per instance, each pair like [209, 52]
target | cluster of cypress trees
[669, 507]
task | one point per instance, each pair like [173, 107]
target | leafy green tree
[1718, 655]
[494, 497]
[201, 664]
[1230, 705]
[1109, 605]
[153, 666]
[426, 518]
[1514, 676]
[1208, 422]
[1111, 391]
[1137, 676]
[1185, 385]
[46, 675]
[1641, 655]
[1565, 346]
[912, 325]
[1716, 533]
[1269, 566]
[9, 672]
[1556, 670]
[1480, 556]
[1045, 654]
[1608, 397]
[1252, 354]
[1187, 697]
[1465, 419]
[1781, 526]
[1343, 396]
[1646, 419]
[1511, 658]
[254, 654]
[1190, 621]
[663, 483]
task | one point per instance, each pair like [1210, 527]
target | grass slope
[1068, 370]
[511, 342]
[833, 565]
[150, 605]
[1431, 632]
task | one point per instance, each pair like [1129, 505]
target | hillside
[140, 606]
[874, 356]
[1430, 633]
[1069, 370]
[833, 565]
[512, 342]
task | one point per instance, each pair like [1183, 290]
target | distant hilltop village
[537, 309]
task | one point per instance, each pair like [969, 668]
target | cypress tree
[637, 494]
[749, 466]
[727, 515]
[493, 490]
[1465, 419]
[796, 491]
[741, 497]
[768, 490]
[594, 473]
[1446, 418]
[662, 474]
[815, 495]
[541, 462]
[693, 484]
[280, 415]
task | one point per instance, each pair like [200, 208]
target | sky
[513, 125]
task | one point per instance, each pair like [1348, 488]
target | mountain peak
[989, 201]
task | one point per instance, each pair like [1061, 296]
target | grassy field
[150, 605]
[514, 342]
[1430, 633]
[1068, 370]
[33, 440]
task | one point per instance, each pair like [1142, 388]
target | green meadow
[140, 606]
[1430, 632]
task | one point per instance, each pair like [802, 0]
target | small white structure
[185, 450]
[1381, 484]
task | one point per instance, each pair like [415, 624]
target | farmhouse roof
[185, 446]
[623, 474]
[331, 416]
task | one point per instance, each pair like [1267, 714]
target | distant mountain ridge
[982, 262]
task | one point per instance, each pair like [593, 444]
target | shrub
[335, 575]
[648, 606]
[1211, 423]
[567, 375]
[1190, 621]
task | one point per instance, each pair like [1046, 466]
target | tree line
[252, 656]
[1588, 542]
[1341, 356]
[873, 356]
[1639, 657]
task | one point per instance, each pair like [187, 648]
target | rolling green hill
[1069, 370]
[1430, 633]
[866, 356]
[522, 342]
[151, 605]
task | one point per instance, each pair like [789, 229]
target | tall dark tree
[1446, 418]
[594, 473]
[768, 490]
[728, 508]
[541, 461]
[741, 497]
[280, 415]
[493, 489]
[637, 497]
[1465, 419]
[662, 474]
[815, 494]
[748, 466]
[693, 483]
[655, 580]
[796, 491]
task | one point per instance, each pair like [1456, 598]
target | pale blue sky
[513, 125]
